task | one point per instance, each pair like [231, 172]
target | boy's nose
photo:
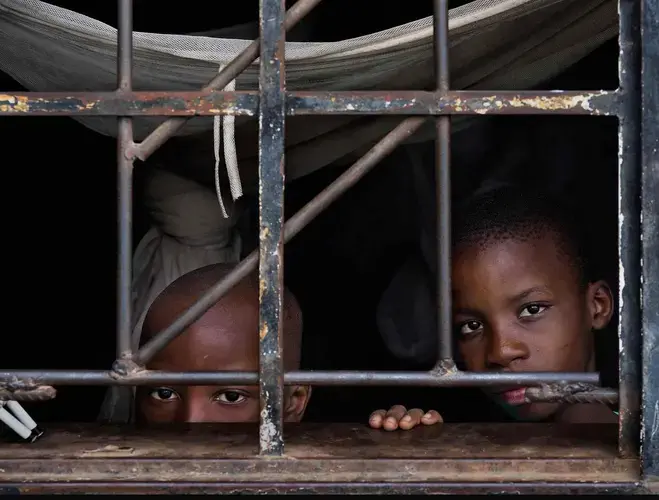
[503, 349]
[198, 412]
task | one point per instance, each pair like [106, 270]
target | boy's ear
[600, 304]
[296, 402]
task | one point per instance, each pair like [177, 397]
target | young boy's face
[519, 307]
[224, 339]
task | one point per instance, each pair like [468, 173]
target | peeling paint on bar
[130, 103]
[246, 103]
[272, 114]
[454, 102]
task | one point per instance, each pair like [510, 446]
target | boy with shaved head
[225, 338]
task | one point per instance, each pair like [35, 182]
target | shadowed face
[519, 306]
[224, 339]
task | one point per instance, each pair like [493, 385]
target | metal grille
[638, 202]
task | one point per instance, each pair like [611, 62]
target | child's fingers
[377, 418]
[411, 419]
[393, 416]
[431, 417]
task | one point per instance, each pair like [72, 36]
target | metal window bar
[629, 231]
[272, 103]
[125, 176]
[650, 240]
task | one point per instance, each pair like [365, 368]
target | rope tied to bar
[227, 125]
[571, 394]
[28, 394]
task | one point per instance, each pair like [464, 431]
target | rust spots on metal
[463, 102]
[246, 103]
[122, 103]
[13, 103]
[556, 102]
[263, 332]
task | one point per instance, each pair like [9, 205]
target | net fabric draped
[494, 44]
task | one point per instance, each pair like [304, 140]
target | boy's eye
[164, 394]
[231, 397]
[532, 310]
[470, 327]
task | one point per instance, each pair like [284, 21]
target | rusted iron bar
[125, 184]
[272, 118]
[246, 103]
[443, 192]
[130, 103]
[31, 378]
[629, 230]
[650, 244]
[309, 212]
[168, 129]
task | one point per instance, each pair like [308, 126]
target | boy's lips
[516, 396]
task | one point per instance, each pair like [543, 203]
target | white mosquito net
[495, 44]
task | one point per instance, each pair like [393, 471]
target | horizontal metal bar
[28, 378]
[325, 488]
[246, 103]
[126, 103]
[454, 102]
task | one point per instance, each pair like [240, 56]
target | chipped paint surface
[130, 103]
[11, 103]
[110, 450]
[553, 103]
[246, 103]
[272, 112]
[453, 102]
[269, 434]
[263, 332]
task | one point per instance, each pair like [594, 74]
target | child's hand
[399, 417]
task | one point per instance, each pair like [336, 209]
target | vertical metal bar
[650, 231]
[272, 112]
[125, 181]
[629, 236]
[443, 187]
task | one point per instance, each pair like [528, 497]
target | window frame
[636, 105]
